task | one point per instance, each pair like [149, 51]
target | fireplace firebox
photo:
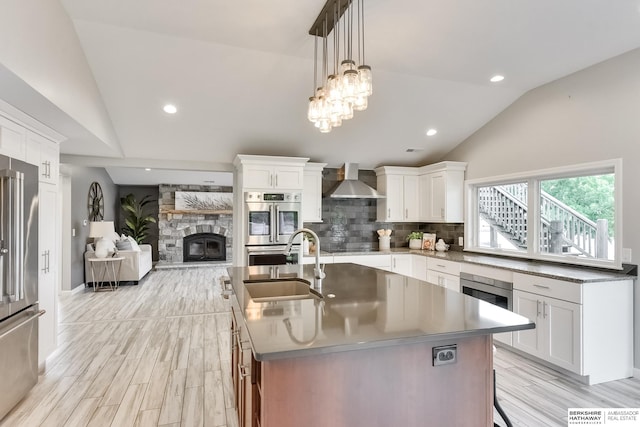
[204, 247]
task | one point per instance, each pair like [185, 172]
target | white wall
[591, 115]
[38, 43]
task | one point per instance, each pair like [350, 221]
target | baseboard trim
[75, 290]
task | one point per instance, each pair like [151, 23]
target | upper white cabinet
[12, 139]
[312, 192]
[270, 173]
[442, 192]
[44, 154]
[400, 187]
[432, 193]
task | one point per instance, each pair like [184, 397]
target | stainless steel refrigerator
[18, 280]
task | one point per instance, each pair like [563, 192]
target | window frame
[533, 179]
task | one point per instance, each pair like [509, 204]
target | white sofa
[135, 266]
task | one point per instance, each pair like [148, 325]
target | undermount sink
[273, 290]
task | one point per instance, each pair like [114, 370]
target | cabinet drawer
[443, 266]
[567, 291]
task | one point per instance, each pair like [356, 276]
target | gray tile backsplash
[350, 224]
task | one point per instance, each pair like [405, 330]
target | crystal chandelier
[348, 88]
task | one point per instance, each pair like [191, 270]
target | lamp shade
[99, 229]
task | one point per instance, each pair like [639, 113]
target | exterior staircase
[564, 230]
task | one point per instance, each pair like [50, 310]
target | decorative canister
[384, 243]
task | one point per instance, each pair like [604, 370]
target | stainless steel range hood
[348, 186]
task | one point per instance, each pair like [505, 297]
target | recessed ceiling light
[147, 169]
[170, 109]
[497, 78]
[431, 132]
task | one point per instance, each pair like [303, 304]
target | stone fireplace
[177, 229]
[204, 247]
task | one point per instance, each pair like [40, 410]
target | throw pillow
[124, 245]
[134, 244]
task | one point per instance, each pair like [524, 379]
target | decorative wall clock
[96, 202]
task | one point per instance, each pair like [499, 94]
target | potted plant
[135, 218]
[415, 240]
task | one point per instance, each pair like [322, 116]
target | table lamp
[102, 231]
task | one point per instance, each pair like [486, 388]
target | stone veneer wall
[350, 224]
[174, 227]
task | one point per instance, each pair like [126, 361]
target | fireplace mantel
[195, 212]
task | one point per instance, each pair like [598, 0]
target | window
[570, 214]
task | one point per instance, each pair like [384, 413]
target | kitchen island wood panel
[392, 386]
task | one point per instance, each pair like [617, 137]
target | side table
[105, 271]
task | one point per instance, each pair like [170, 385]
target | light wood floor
[157, 354]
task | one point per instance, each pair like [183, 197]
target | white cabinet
[442, 192]
[312, 192]
[445, 280]
[273, 177]
[12, 139]
[557, 337]
[311, 259]
[400, 187]
[401, 264]
[443, 273]
[44, 154]
[47, 270]
[432, 193]
[419, 267]
[586, 328]
[382, 261]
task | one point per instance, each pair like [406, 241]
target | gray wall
[81, 179]
[139, 191]
[588, 116]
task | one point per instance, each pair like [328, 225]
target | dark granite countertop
[361, 308]
[565, 272]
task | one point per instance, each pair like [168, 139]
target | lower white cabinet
[445, 280]
[585, 328]
[419, 267]
[401, 264]
[444, 273]
[557, 337]
[382, 261]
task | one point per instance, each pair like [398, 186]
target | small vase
[415, 244]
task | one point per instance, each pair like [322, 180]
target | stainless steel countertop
[369, 308]
[565, 272]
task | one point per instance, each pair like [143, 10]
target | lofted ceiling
[241, 72]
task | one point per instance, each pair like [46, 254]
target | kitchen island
[368, 348]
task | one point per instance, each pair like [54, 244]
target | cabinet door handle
[538, 305]
[541, 286]
[406, 214]
[44, 261]
[243, 371]
[388, 212]
[276, 180]
[319, 213]
[442, 213]
[394, 263]
[544, 310]
[440, 265]
[270, 180]
[48, 261]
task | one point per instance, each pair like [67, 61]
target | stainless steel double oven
[270, 220]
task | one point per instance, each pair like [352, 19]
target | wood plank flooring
[157, 354]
